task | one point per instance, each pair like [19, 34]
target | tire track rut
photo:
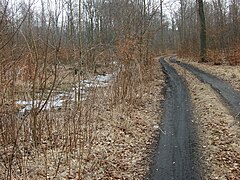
[174, 157]
[230, 96]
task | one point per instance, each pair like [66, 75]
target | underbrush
[230, 56]
[107, 132]
[227, 56]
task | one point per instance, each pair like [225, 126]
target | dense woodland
[76, 29]
[48, 42]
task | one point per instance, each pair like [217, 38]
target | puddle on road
[58, 100]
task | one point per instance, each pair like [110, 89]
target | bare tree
[203, 37]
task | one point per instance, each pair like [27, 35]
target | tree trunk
[161, 24]
[203, 36]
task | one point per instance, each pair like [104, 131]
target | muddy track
[174, 157]
[230, 96]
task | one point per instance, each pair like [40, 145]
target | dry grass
[229, 56]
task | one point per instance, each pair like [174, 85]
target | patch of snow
[103, 78]
[59, 99]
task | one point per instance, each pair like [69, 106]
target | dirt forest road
[229, 95]
[177, 153]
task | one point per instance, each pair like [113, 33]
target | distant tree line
[78, 30]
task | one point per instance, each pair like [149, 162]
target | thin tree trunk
[161, 24]
[203, 36]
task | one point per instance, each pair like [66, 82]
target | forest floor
[217, 126]
[123, 147]
[119, 142]
[124, 140]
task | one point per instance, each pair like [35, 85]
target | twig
[236, 120]
[238, 115]
[162, 131]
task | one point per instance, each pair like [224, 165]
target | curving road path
[230, 96]
[175, 157]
